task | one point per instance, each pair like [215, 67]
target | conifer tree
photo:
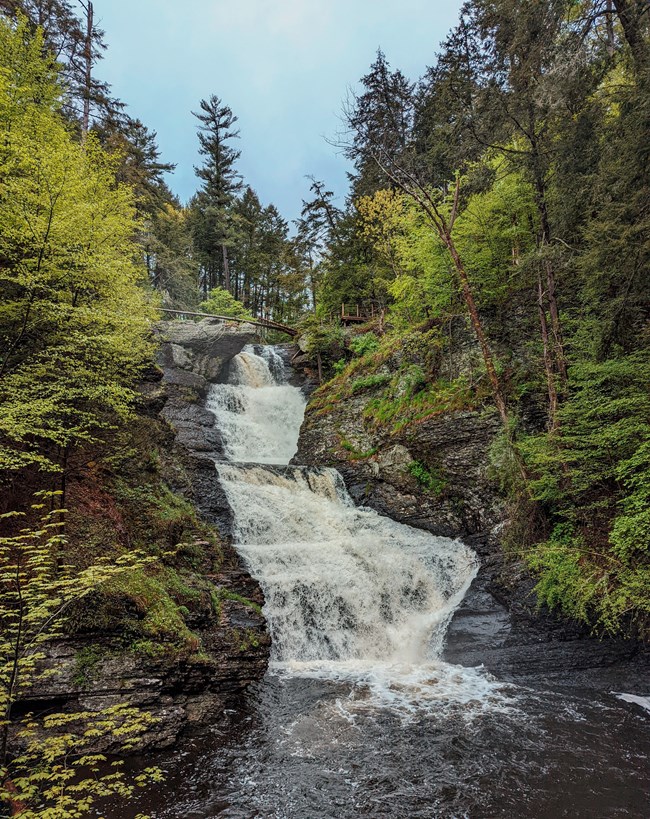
[213, 226]
[380, 119]
[77, 44]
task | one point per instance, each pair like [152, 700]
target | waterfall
[349, 593]
[258, 413]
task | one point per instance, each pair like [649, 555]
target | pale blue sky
[283, 66]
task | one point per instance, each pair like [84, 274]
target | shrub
[364, 344]
[431, 480]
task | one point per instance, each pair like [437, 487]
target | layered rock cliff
[183, 641]
[436, 472]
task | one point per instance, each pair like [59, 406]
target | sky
[283, 66]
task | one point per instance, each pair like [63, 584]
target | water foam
[351, 596]
[258, 414]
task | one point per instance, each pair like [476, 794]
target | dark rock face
[454, 447]
[183, 693]
[192, 356]
[498, 624]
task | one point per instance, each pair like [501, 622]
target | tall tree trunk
[609, 24]
[544, 240]
[556, 326]
[226, 268]
[630, 13]
[247, 289]
[312, 284]
[88, 59]
[548, 358]
[477, 325]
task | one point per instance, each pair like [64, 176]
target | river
[359, 713]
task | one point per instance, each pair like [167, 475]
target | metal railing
[270, 325]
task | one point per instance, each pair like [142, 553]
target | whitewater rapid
[350, 595]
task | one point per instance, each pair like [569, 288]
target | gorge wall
[435, 474]
[184, 642]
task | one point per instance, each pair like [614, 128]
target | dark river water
[360, 715]
[313, 749]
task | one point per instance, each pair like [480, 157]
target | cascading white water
[349, 594]
[341, 583]
[258, 414]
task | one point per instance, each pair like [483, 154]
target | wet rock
[192, 356]
[203, 347]
[181, 692]
[453, 448]
[498, 625]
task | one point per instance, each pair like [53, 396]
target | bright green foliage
[594, 479]
[427, 478]
[54, 769]
[369, 382]
[74, 324]
[223, 303]
[58, 775]
[492, 234]
[364, 344]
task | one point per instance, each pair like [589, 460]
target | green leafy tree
[52, 765]
[74, 322]
[222, 303]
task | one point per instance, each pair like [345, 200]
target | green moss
[399, 407]
[400, 369]
[225, 594]
[355, 454]
[369, 382]
[150, 648]
[161, 617]
[429, 479]
[244, 640]
[86, 661]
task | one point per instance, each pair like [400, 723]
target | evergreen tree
[317, 227]
[140, 165]
[77, 44]
[380, 120]
[213, 225]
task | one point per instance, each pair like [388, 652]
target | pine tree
[140, 165]
[221, 181]
[77, 45]
[380, 120]
[317, 228]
